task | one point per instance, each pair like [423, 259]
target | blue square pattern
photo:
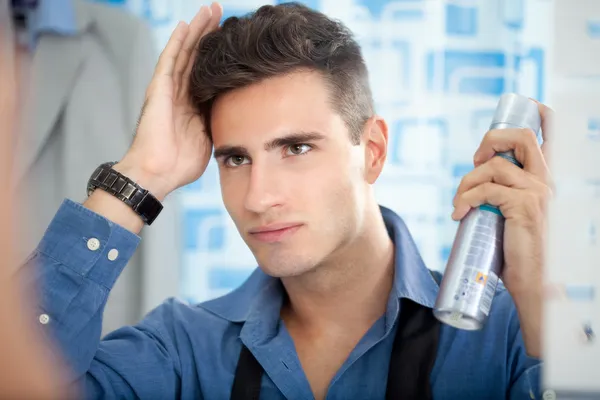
[513, 13]
[204, 229]
[399, 10]
[407, 127]
[468, 72]
[207, 183]
[593, 29]
[594, 129]
[393, 50]
[149, 11]
[535, 56]
[480, 72]
[461, 20]
[156, 13]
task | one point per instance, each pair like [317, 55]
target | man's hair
[278, 40]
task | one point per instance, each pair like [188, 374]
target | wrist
[157, 186]
[529, 309]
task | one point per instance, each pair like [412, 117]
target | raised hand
[171, 148]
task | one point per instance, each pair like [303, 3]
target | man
[282, 96]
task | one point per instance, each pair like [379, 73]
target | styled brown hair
[277, 40]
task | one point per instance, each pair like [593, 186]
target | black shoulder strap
[414, 352]
[413, 355]
[248, 376]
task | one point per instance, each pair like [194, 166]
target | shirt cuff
[89, 244]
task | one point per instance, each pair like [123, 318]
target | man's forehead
[271, 109]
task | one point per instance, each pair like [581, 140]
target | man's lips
[274, 232]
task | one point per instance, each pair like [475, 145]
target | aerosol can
[476, 259]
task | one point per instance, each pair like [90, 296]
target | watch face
[149, 208]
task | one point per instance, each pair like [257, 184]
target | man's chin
[285, 267]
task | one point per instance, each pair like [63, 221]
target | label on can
[488, 294]
[476, 289]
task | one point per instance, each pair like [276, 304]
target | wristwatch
[113, 182]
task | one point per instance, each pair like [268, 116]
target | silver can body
[473, 270]
[475, 263]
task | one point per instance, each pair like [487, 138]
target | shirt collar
[261, 294]
[51, 16]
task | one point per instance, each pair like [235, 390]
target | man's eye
[236, 161]
[298, 149]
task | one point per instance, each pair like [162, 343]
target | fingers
[168, 57]
[196, 28]
[518, 193]
[525, 146]
[525, 205]
[497, 170]
[217, 14]
[486, 193]
[217, 11]
[480, 186]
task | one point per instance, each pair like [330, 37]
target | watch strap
[135, 196]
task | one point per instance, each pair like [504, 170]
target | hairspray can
[469, 283]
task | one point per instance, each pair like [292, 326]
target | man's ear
[375, 138]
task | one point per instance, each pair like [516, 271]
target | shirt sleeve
[71, 273]
[528, 383]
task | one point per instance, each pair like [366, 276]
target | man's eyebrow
[293, 138]
[229, 151]
[287, 140]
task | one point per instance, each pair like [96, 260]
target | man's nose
[263, 189]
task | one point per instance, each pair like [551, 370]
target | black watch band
[139, 199]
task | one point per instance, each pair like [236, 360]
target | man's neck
[348, 293]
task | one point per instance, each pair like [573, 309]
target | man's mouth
[274, 232]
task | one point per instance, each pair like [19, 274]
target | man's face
[291, 179]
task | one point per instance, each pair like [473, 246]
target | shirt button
[44, 319]
[113, 254]
[549, 395]
[93, 244]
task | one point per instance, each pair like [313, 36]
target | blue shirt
[190, 351]
[51, 16]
